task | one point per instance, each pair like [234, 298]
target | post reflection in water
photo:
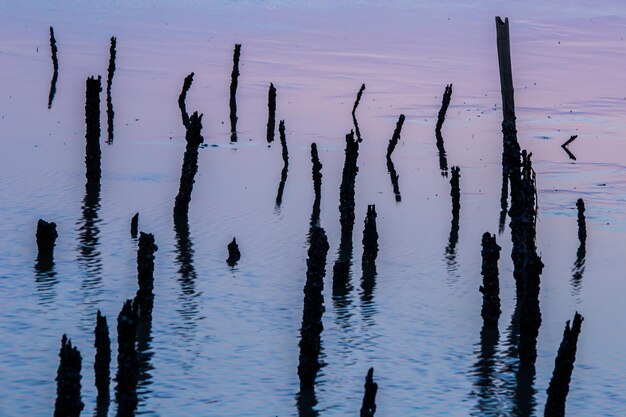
[485, 382]
[89, 257]
[186, 271]
[453, 239]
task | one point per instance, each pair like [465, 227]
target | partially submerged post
[356, 104]
[443, 160]
[233, 253]
[127, 361]
[190, 165]
[582, 223]
[370, 239]
[563, 367]
[368, 407]
[317, 184]
[134, 226]
[233, 92]
[68, 402]
[102, 363]
[393, 142]
[581, 253]
[92, 136]
[182, 100]
[271, 118]
[110, 73]
[144, 299]
[311, 330]
[46, 237]
[455, 194]
[285, 155]
[55, 67]
[491, 285]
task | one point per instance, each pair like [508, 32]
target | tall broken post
[102, 364]
[393, 142]
[68, 402]
[443, 160]
[341, 268]
[134, 226]
[490, 289]
[368, 407]
[313, 309]
[182, 98]
[144, 299]
[563, 368]
[55, 68]
[271, 118]
[356, 104]
[110, 74]
[127, 361]
[317, 184]
[194, 139]
[234, 77]
[285, 155]
[92, 135]
[46, 237]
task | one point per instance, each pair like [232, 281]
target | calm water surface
[224, 341]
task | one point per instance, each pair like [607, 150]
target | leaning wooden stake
[68, 402]
[563, 367]
[393, 142]
[356, 104]
[190, 165]
[234, 77]
[447, 95]
[182, 99]
[368, 407]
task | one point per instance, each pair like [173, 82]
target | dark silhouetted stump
[103, 359]
[491, 284]
[127, 361]
[368, 408]
[145, 276]
[311, 330]
[190, 165]
[233, 93]
[92, 120]
[68, 402]
[563, 367]
[233, 253]
[271, 118]
[134, 226]
[182, 100]
[46, 237]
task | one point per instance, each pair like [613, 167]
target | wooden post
[271, 118]
[68, 402]
[110, 74]
[233, 92]
[368, 407]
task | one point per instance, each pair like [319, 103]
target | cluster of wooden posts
[136, 314]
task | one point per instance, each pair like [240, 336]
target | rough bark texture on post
[134, 226]
[110, 74]
[46, 237]
[491, 284]
[563, 367]
[92, 136]
[190, 165]
[234, 77]
[55, 67]
[182, 99]
[444, 107]
[368, 407]
[393, 142]
[510, 155]
[271, 118]
[68, 402]
[311, 330]
[127, 361]
[102, 363]
[317, 184]
[233, 253]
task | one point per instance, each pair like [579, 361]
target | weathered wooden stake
[317, 184]
[368, 407]
[68, 402]
[271, 119]
[55, 67]
[110, 74]
[444, 107]
[356, 104]
[182, 99]
[393, 142]
[233, 93]
[370, 238]
[127, 361]
[103, 359]
[144, 299]
[311, 330]
[92, 136]
[46, 237]
[134, 226]
[233, 253]
[285, 170]
[491, 284]
[190, 165]
[563, 367]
